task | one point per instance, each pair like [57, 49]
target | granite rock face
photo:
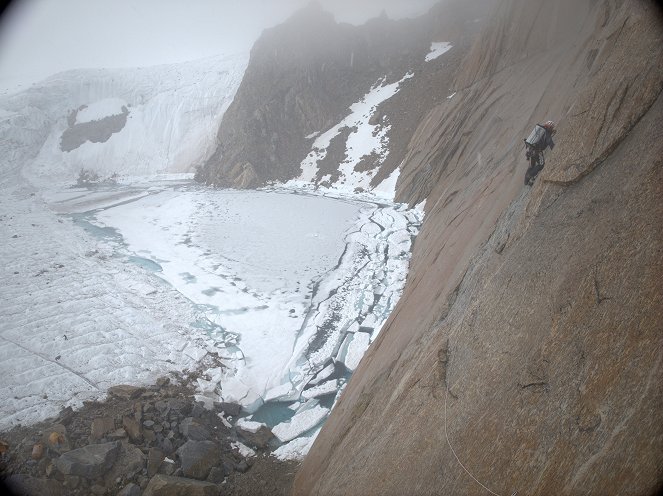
[527, 341]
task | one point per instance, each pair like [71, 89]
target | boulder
[166, 485]
[254, 433]
[228, 466]
[130, 490]
[194, 430]
[126, 392]
[71, 481]
[130, 461]
[216, 475]
[197, 458]
[242, 467]
[117, 434]
[98, 490]
[133, 429]
[101, 427]
[154, 458]
[37, 451]
[90, 462]
[167, 467]
[166, 446]
[55, 439]
[149, 436]
[231, 409]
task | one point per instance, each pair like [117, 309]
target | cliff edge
[525, 354]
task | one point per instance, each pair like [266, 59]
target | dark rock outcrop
[98, 131]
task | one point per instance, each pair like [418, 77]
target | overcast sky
[41, 37]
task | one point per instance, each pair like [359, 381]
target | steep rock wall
[529, 337]
[305, 74]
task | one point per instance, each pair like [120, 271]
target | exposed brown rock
[56, 439]
[154, 459]
[132, 428]
[164, 485]
[130, 461]
[98, 131]
[259, 439]
[37, 451]
[528, 337]
[126, 391]
[101, 427]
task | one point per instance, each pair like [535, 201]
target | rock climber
[539, 139]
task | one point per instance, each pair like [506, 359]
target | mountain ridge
[310, 70]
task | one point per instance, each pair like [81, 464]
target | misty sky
[41, 37]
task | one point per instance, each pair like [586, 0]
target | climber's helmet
[550, 126]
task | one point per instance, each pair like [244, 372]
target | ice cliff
[139, 121]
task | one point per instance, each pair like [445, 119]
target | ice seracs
[171, 116]
[300, 423]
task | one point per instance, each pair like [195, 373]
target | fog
[41, 37]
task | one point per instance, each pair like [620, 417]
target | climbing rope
[446, 434]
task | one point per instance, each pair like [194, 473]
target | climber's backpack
[537, 138]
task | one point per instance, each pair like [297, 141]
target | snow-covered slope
[364, 143]
[136, 121]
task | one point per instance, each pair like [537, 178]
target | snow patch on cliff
[438, 49]
[367, 141]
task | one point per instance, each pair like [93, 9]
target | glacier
[148, 273]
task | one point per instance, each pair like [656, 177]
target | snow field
[74, 321]
[288, 282]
